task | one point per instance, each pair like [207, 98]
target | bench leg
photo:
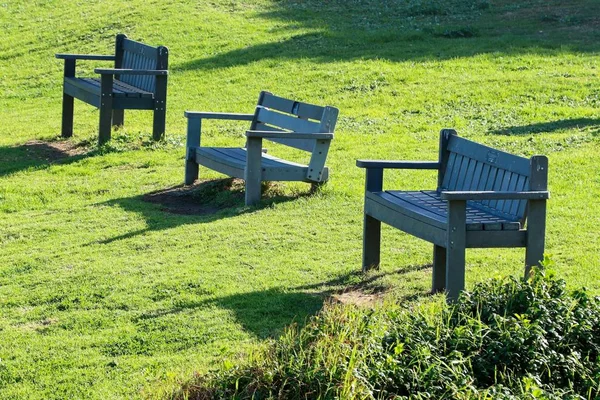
[67, 116]
[372, 226]
[371, 243]
[105, 125]
[536, 228]
[158, 126]
[160, 107]
[455, 248]
[118, 117]
[191, 167]
[67, 104]
[438, 281]
[253, 172]
[192, 142]
[105, 109]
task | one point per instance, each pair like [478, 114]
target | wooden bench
[138, 81]
[300, 125]
[482, 200]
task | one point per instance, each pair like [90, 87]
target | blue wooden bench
[300, 125]
[137, 81]
[482, 200]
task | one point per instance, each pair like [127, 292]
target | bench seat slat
[232, 161]
[405, 222]
[120, 89]
[427, 206]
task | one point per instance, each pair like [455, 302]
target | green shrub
[506, 339]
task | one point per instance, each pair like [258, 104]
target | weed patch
[507, 338]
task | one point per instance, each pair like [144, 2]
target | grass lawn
[106, 294]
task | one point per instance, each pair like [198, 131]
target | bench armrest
[491, 195]
[397, 164]
[218, 115]
[84, 57]
[115, 71]
[288, 135]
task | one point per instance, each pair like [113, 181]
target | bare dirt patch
[38, 325]
[211, 196]
[359, 297]
[202, 198]
[53, 151]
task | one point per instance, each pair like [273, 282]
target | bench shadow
[551, 126]
[411, 30]
[37, 154]
[266, 313]
[202, 202]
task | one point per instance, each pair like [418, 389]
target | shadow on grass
[547, 127]
[265, 313]
[415, 30]
[36, 155]
[203, 202]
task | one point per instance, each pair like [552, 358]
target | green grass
[104, 295]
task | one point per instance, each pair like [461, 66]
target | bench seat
[233, 161]
[428, 207]
[89, 90]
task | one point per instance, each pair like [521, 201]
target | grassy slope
[105, 296]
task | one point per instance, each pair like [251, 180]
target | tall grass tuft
[507, 338]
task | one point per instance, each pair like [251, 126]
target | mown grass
[105, 295]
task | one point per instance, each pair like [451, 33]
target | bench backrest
[275, 113]
[470, 166]
[130, 54]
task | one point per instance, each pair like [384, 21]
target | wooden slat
[485, 173]
[504, 187]
[435, 211]
[139, 48]
[489, 182]
[518, 207]
[447, 171]
[496, 239]
[303, 144]
[145, 61]
[476, 176]
[498, 185]
[478, 217]
[454, 174]
[237, 157]
[120, 89]
[512, 186]
[394, 201]
[488, 155]
[302, 110]
[470, 174]
[463, 173]
[286, 122]
[232, 161]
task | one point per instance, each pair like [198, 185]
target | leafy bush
[506, 339]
